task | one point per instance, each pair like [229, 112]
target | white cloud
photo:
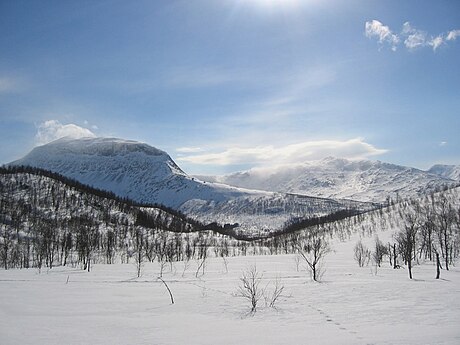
[452, 35]
[52, 129]
[375, 28]
[436, 42]
[411, 37]
[415, 38]
[188, 149]
[443, 143]
[355, 148]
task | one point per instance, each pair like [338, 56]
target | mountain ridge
[362, 180]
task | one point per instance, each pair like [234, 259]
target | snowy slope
[447, 171]
[338, 178]
[146, 174]
[351, 306]
[127, 168]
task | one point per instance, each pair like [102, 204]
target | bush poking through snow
[272, 298]
[249, 287]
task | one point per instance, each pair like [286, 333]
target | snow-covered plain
[351, 305]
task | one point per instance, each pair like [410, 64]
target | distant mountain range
[364, 180]
[148, 175]
[448, 171]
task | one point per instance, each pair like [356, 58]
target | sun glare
[276, 3]
[279, 5]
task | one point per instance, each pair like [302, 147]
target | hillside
[447, 171]
[364, 180]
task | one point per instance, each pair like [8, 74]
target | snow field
[351, 305]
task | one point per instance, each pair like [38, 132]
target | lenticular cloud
[52, 129]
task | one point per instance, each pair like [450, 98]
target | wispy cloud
[8, 85]
[411, 37]
[289, 154]
[188, 149]
[52, 129]
[199, 77]
[375, 29]
[452, 35]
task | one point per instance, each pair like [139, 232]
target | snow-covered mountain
[148, 175]
[127, 168]
[339, 178]
[447, 171]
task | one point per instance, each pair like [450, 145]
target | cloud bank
[52, 130]
[411, 37]
[355, 148]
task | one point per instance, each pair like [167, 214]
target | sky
[226, 85]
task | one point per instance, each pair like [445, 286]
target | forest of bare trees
[47, 221]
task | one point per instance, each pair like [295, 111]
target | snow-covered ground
[351, 305]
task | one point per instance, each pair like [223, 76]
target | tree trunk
[389, 254]
[438, 266]
[395, 265]
[446, 248]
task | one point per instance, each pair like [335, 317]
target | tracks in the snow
[339, 325]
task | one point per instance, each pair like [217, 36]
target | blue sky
[231, 84]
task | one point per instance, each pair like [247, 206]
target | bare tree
[203, 255]
[313, 250]
[297, 262]
[438, 264]
[445, 220]
[380, 251]
[362, 254]
[406, 239]
[139, 244]
[225, 262]
[272, 298]
[249, 287]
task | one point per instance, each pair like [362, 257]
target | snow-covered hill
[127, 168]
[339, 178]
[148, 175]
[447, 171]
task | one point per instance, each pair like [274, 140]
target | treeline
[426, 230]
[47, 221]
[296, 225]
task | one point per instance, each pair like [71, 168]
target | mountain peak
[127, 168]
[99, 146]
